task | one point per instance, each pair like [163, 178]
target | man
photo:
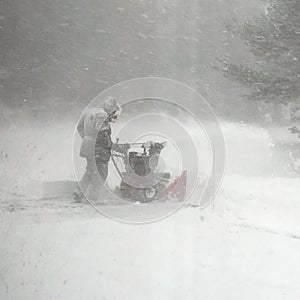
[95, 131]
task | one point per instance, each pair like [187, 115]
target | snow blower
[140, 178]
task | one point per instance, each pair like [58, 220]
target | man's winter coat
[95, 132]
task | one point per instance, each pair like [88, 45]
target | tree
[274, 39]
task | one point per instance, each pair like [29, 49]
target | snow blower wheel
[150, 193]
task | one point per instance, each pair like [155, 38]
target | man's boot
[78, 195]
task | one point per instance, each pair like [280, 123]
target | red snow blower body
[141, 179]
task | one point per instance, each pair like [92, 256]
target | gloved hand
[126, 147]
[122, 148]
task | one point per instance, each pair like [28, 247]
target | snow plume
[256, 151]
[248, 149]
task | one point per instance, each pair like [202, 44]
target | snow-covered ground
[245, 246]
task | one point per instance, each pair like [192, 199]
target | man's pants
[93, 179]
